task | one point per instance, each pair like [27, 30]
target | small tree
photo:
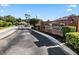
[34, 21]
[18, 19]
[27, 17]
[10, 18]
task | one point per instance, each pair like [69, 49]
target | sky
[43, 11]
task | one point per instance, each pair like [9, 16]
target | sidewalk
[5, 32]
[5, 29]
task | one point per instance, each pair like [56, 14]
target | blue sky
[43, 11]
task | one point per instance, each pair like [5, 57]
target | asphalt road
[22, 43]
[26, 42]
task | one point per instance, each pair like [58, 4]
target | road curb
[7, 34]
[5, 42]
[67, 50]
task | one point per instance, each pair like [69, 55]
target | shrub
[8, 23]
[67, 29]
[72, 38]
[2, 23]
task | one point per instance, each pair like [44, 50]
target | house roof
[62, 19]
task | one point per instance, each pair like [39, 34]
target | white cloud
[4, 5]
[28, 11]
[69, 9]
[1, 10]
[73, 6]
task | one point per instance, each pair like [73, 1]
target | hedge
[67, 29]
[72, 38]
[3, 23]
[8, 23]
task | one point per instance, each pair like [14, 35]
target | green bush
[72, 38]
[67, 29]
[4, 24]
[8, 23]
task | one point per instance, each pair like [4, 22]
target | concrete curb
[2, 36]
[67, 50]
[7, 34]
[5, 42]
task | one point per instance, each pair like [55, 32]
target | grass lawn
[1, 28]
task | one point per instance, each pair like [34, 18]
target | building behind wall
[65, 21]
[55, 25]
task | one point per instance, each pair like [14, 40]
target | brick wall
[70, 21]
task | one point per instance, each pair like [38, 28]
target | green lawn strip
[1, 28]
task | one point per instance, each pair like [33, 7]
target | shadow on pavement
[56, 51]
[42, 40]
[14, 41]
[23, 29]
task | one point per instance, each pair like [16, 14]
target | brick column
[77, 26]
